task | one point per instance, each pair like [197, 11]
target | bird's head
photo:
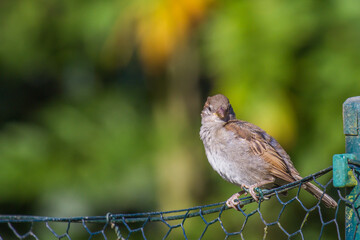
[217, 109]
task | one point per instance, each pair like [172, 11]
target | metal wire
[210, 218]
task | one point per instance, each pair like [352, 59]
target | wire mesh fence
[268, 219]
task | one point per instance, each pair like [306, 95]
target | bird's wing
[262, 144]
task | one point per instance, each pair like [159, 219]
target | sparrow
[245, 155]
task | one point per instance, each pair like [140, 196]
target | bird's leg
[255, 187]
[231, 201]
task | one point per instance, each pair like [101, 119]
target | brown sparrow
[246, 155]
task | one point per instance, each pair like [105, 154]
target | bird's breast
[231, 158]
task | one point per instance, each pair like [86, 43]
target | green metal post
[351, 116]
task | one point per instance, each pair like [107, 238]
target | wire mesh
[268, 219]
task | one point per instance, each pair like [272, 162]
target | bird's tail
[327, 200]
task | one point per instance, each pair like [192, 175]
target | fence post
[351, 119]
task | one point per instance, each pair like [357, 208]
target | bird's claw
[233, 201]
[253, 194]
[252, 191]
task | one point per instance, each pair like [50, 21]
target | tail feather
[326, 199]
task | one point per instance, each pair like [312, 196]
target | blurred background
[100, 101]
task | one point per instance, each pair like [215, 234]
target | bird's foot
[253, 190]
[233, 201]
[253, 194]
[250, 190]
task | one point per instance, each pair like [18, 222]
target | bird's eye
[209, 108]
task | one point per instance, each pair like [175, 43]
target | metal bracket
[342, 174]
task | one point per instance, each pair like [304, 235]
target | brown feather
[267, 153]
[260, 146]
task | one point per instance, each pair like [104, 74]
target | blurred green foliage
[100, 101]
